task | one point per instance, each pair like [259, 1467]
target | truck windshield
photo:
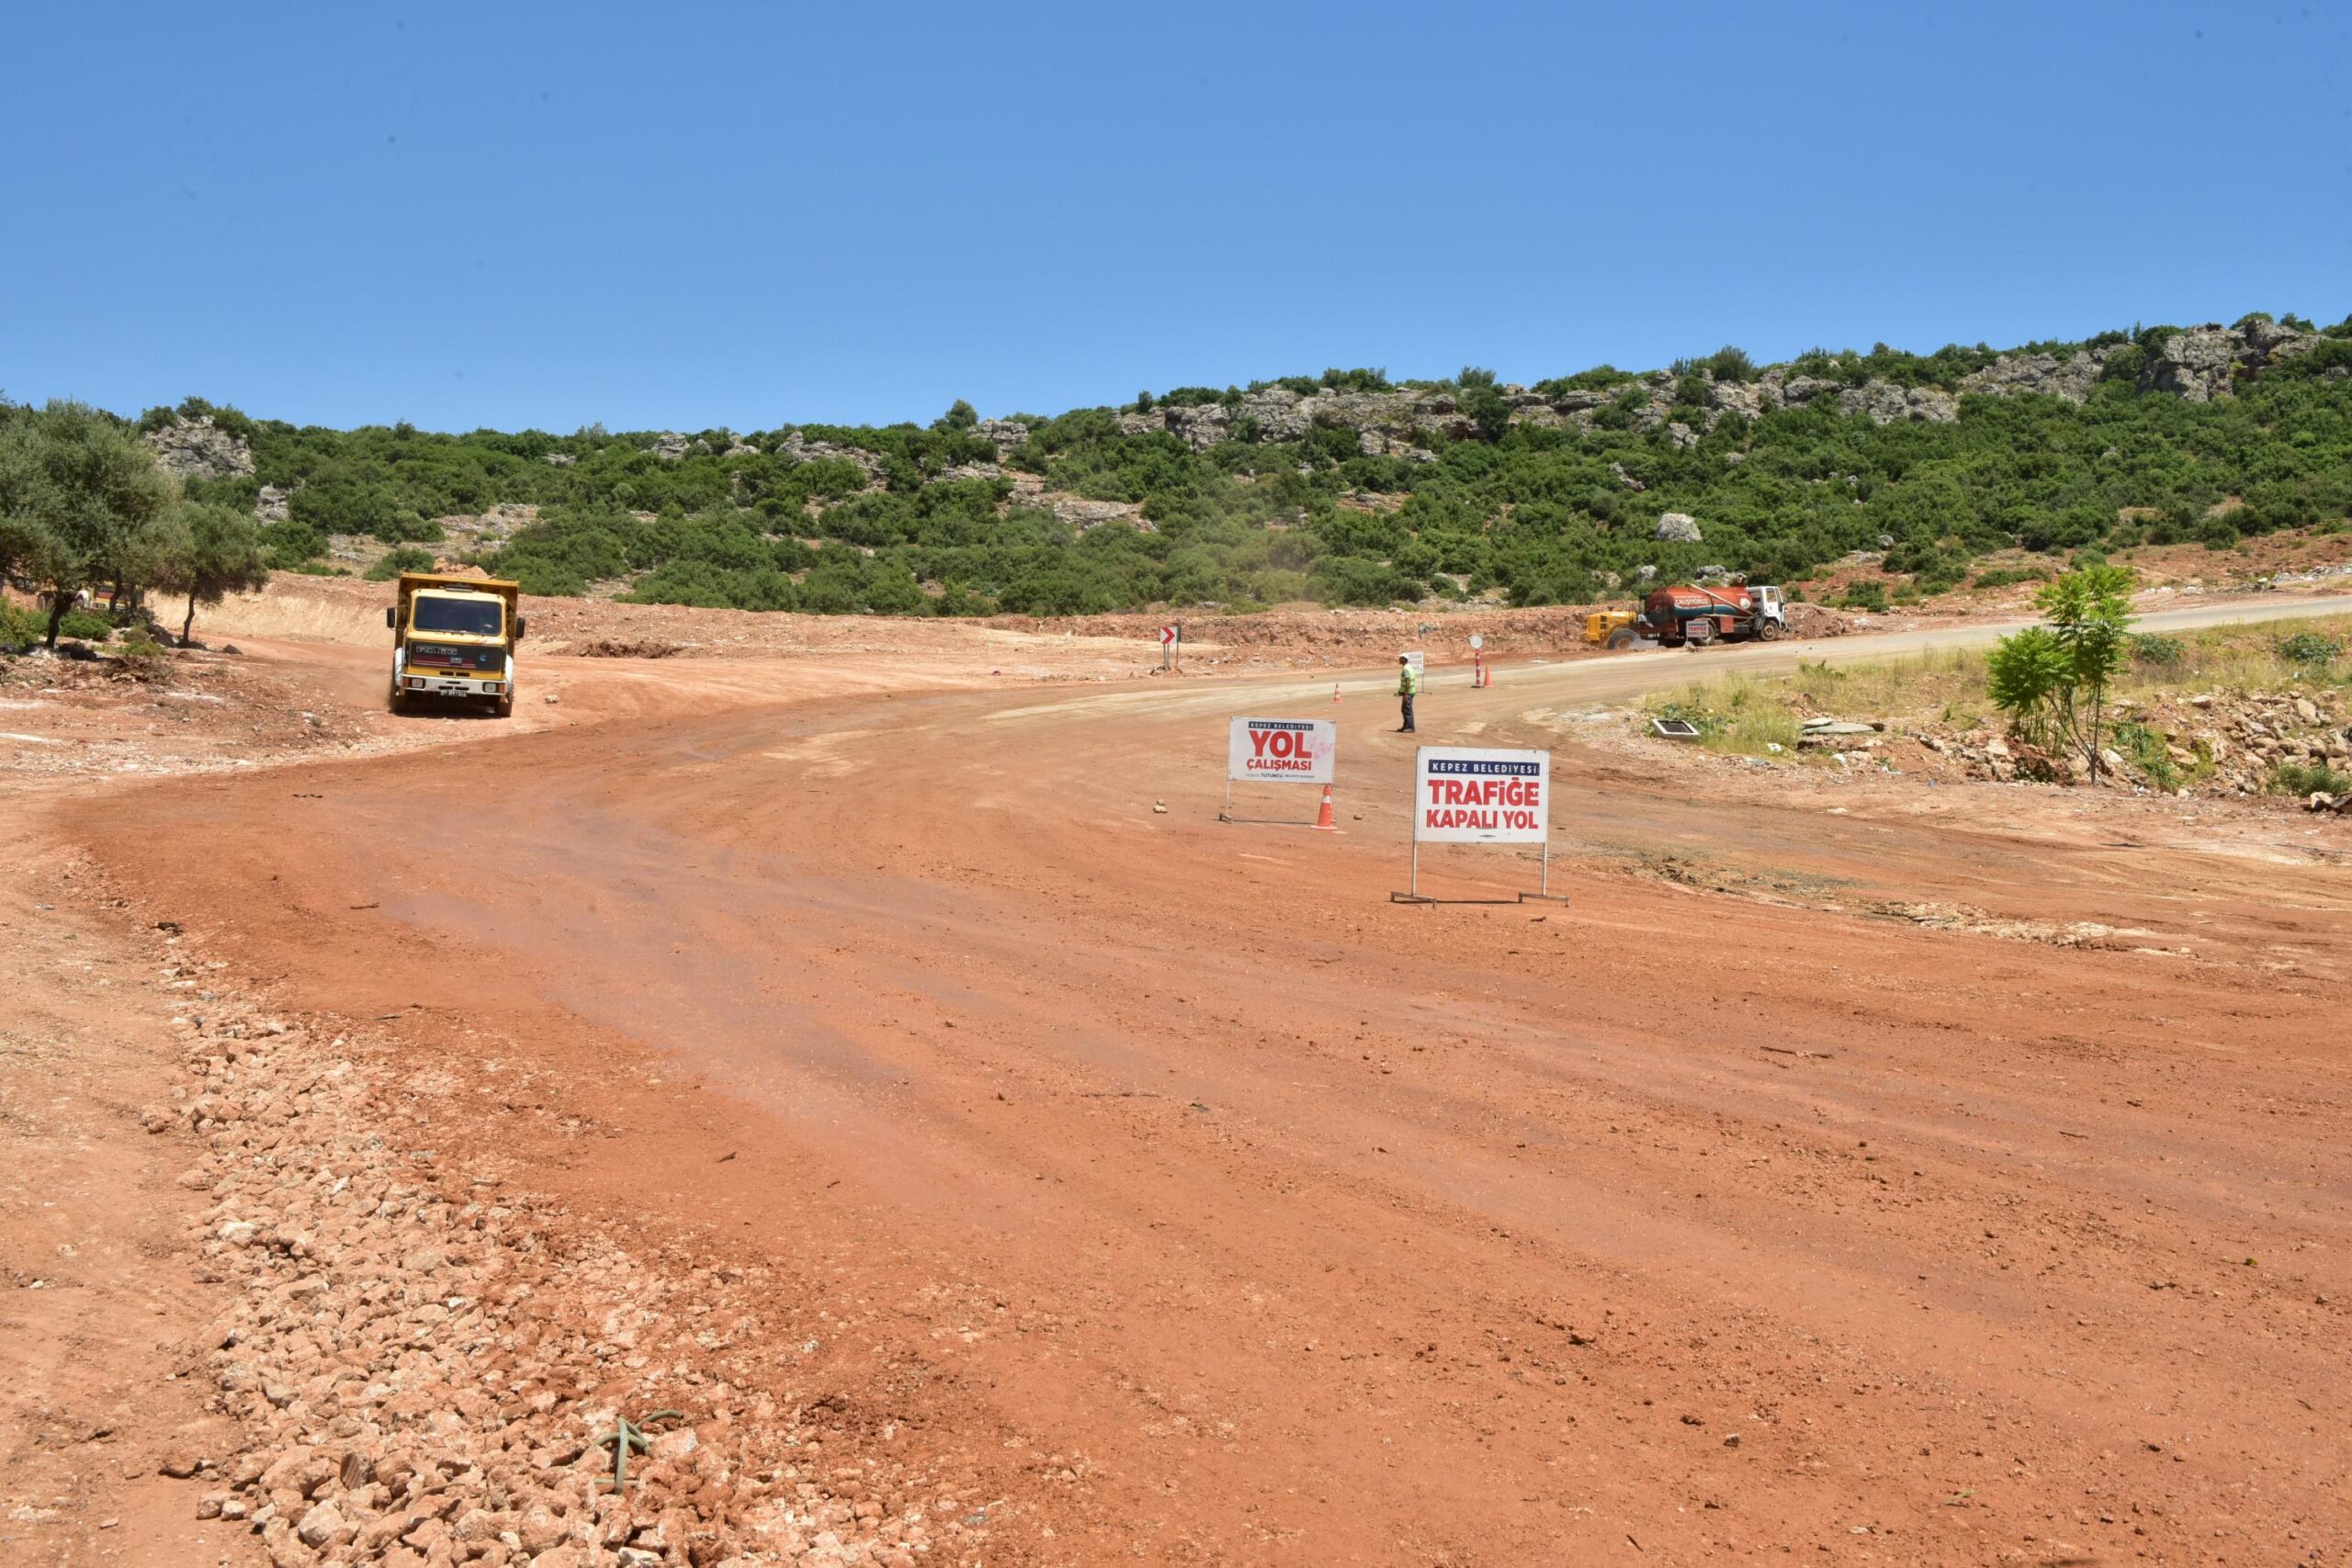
[467, 617]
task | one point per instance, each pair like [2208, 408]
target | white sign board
[1281, 751]
[1477, 641]
[1168, 636]
[1414, 658]
[1465, 795]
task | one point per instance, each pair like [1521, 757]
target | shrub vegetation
[926, 519]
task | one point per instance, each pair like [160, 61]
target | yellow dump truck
[454, 637]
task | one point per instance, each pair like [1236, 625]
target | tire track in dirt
[1339, 1305]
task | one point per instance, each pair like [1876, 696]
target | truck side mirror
[391, 618]
[519, 624]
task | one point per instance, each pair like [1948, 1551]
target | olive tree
[78, 492]
[207, 551]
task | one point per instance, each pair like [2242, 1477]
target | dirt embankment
[346, 611]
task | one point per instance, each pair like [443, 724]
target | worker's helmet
[1404, 658]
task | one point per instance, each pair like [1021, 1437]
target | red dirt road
[1253, 1218]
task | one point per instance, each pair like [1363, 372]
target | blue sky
[747, 215]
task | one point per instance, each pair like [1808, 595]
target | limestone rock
[1678, 526]
[1581, 401]
[1734, 397]
[796, 448]
[2197, 363]
[199, 449]
[1799, 391]
[2204, 362]
[1201, 425]
[1006, 433]
[1281, 413]
[324, 1527]
[2072, 378]
[1083, 515]
[1886, 403]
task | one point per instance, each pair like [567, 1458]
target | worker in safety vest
[1408, 686]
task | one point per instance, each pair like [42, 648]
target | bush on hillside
[408, 558]
[1537, 515]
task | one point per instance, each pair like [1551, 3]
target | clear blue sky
[744, 215]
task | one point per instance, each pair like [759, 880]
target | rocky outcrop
[199, 449]
[271, 505]
[1199, 425]
[796, 448]
[2199, 363]
[1743, 398]
[1679, 527]
[671, 446]
[2071, 378]
[1004, 433]
[1280, 414]
[1795, 391]
[2205, 363]
[1083, 515]
[1884, 402]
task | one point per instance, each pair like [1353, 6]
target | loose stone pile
[425, 1361]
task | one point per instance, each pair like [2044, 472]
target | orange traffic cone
[1323, 822]
[1335, 691]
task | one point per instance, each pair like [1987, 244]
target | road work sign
[1281, 750]
[1464, 796]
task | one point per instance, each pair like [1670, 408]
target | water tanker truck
[454, 637]
[1685, 617]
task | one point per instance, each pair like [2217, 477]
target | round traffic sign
[1477, 640]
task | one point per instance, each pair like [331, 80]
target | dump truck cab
[454, 637]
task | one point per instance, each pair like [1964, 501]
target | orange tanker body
[1688, 616]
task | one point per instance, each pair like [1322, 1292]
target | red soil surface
[1233, 1213]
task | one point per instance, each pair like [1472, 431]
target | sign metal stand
[1278, 750]
[1479, 783]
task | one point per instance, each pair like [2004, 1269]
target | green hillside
[1349, 488]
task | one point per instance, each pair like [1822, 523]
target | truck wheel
[1700, 633]
[502, 706]
[1770, 631]
[398, 702]
[1621, 638]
